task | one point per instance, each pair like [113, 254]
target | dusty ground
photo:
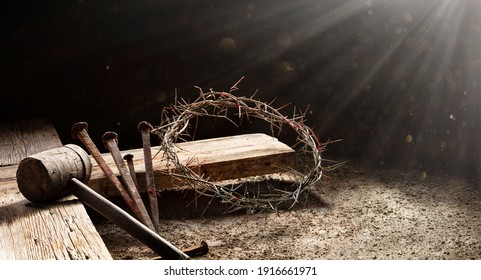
[358, 214]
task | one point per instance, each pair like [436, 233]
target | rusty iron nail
[79, 131]
[197, 250]
[125, 221]
[130, 164]
[193, 251]
[110, 140]
[145, 128]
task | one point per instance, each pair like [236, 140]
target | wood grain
[62, 230]
[21, 139]
[59, 231]
[218, 159]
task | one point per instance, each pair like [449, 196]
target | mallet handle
[123, 220]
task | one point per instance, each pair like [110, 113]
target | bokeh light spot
[284, 39]
[423, 175]
[227, 44]
[286, 66]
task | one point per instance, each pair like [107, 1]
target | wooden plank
[21, 139]
[7, 177]
[218, 158]
[55, 231]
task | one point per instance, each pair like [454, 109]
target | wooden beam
[21, 139]
[61, 230]
[218, 159]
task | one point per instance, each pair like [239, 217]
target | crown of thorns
[262, 196]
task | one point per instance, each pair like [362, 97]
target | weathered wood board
[21, 139]
[60, 231]
[218, 159]
[56, 231]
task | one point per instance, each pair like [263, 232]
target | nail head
[77, 127]
[109, 136]
[143, 125]
[128, 157]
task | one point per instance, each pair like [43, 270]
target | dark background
[398, 81]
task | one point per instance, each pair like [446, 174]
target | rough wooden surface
[21, 139]
[60, 231]
[56, 231]
[219, 159]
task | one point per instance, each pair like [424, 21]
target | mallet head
[43, 177]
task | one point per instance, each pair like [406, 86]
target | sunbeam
[397, 80]
[401, 72]
[279, 130]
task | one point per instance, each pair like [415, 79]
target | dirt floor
[358, 214]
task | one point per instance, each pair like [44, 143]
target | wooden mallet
[52, 174]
